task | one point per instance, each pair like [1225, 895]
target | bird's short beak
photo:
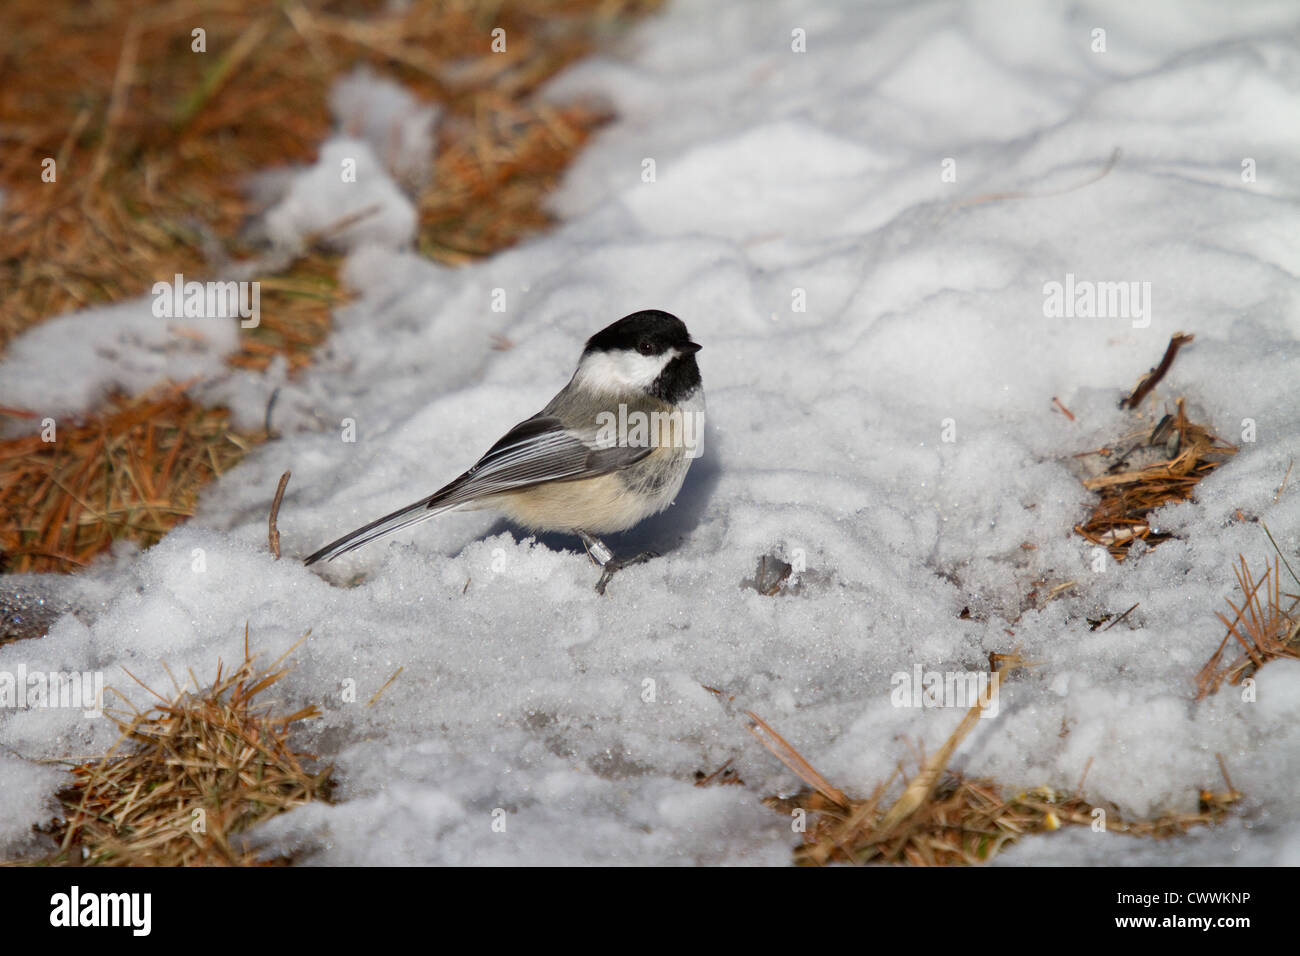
[690, 348]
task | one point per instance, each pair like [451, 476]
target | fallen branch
[273, 533]
[1156, 374]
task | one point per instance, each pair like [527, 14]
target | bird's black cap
[650, 332]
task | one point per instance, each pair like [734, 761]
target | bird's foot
[604, 559]
[612, 566]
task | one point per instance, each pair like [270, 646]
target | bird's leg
[597, 550]
[604, 558]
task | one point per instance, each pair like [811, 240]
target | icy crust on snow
[576, 723]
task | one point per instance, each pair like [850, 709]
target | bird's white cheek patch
[616, 371]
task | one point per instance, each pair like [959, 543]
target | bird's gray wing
[534, 451]
[537, 450]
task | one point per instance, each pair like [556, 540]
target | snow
[356, 191]
[779, 176]
[326, 201]
[398, 126]
[117, 345]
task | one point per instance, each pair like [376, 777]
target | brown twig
[266, 419]
[1153, 378]
[1285, 478]
[273, 533]
[371, 701]
[721, 772]
[1223, 769]
[1121, 617]
[1078, 787]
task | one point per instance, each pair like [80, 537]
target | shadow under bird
[609, 450]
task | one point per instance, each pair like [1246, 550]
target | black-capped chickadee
[610, 449]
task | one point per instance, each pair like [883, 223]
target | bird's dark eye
[645, 347]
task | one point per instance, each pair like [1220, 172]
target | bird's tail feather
[401, 518]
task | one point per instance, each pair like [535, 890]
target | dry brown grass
[943, 819]
[1264, 630]
[1126, 497]
[295, 315]
[965, 822]
[153, 143]
[187, 776]
[134, 470]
